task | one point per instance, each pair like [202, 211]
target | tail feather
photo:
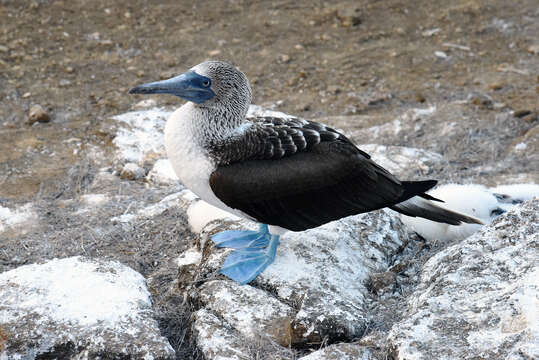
[413, 188]
[418, 206]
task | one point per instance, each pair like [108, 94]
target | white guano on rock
[478, 298]
[78, 308]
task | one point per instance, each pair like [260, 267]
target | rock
[64, 83]
[527, 146]
[440, 54]
[316, 289]
[23, 216]
[146, 103]
[215, 340]
[37, 114]
[478, 298]
[342, 352]
[383, 282]
[521, 113]
[140, 133]
[496, 86]
[132, 171]
[430, 32]
[162, 173]
[303, 107]
[444, 129]
[285, 59]
[78, 308]
[334, 89]
[533, 49]
[233, 303]
[349, 16]
[404, 162]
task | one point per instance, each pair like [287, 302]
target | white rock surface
[404, 162]
[215, 339]
[140, 134]
[131, 171]
[249, 310]
[78, 307]
[479, 298]
[15, 217]
[315, 290]
[341, 352]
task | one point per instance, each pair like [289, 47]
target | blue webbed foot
[242, 239]
[255, 250]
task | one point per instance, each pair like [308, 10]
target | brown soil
[78, 59]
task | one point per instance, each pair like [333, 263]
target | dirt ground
[77, 59]
[316, 59]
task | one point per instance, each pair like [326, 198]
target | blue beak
[189, 86]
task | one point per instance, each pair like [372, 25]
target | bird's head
[211, 84]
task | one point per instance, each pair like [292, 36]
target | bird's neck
[210, 125]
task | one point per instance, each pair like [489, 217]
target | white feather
[183, 133]
[474, 200]
[520, 192]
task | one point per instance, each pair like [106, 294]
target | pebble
[303, 107]
[64, 83]
[440, 54]
[285, 59]
[531, 118]
[521, 113]
[334, 89]
[496, 86]
[131, 171]
[533, 49]
[429, 33]
[146, 103]
[383, 282]
[214, 52]
[349, 17]
[37, 114]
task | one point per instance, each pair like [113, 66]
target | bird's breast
[189, 159]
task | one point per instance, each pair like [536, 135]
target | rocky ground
[456, 81]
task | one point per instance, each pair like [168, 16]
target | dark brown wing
[332, 180]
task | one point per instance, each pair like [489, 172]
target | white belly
[189, 159]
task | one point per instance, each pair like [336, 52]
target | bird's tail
[418, 203]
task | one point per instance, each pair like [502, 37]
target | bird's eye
[206, 83]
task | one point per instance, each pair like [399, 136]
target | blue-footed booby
[287, 174]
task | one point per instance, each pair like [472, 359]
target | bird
[476, 200]
[285, 173]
